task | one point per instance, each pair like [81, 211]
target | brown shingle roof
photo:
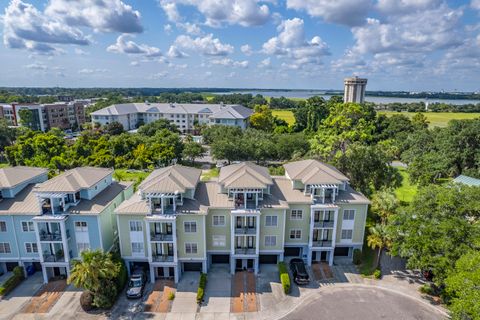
[171, 179]
[12, 176]
[74, 180]
[244, 175]
[314, 172]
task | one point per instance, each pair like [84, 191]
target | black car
[136, 284]
[299, 271]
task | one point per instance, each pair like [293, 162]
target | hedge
[201, 287]
[357, 256]
[284, 277]
[13, 281]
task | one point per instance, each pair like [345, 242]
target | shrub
[201, 287]
[284, 277]
[171, 296]
[13, 281]
[377, 274]
[357, 257]
[106, 295]
[427, 289]
[86, 301]
[122, 277]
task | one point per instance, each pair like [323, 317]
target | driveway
[14, 301]
[217, 293]
[357, 302]
[186, 296]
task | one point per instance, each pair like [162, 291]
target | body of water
[307, 94]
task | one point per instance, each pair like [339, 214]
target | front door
[323, 256]
[250, 264]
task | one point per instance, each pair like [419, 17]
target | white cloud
[134, 63]
[190, 28]
[167, 28]
[230, 63]
[158, 75]
[36, 66]
[345, 12]
[246, 49]
[25, 27]
[475, 4]
[242, 12]
[291, 43]
[101, 15]
[123, 45]
[206, 45]
[92, 71]
[265, 63]
[174, 52]
[81, 52]
[395, 7]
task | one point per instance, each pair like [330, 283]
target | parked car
[299, 271]
[136, 284]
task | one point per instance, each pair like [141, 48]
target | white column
[152, 273]
[64, 243]
[245, 200]
[161, 202]
[176, 275]
[175, 204]
[44, 273]
[257, 244]
[256, 200]
[174, 236]
[149, 242]
[232, 235]
[256, 261]
[330, 257]
[334, 236]
[51, 205]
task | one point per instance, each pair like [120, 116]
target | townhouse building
[184, 116]
[63, 216]
[245, 218]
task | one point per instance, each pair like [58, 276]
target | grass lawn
[209, 174]
[437, 119]
[130, 175]
[286, 115]
[4, 165]
[406, 191]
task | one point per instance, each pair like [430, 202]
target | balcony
[50, 236]
[322, 243]
[245, 251]
[48, 257]
[246, 230]
[323, 224]
[162, 258]
[161, 237]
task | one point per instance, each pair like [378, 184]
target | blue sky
[410, 45]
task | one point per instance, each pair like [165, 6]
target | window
[295, 234]
[137, 248]
[31, 247]
[190, 226]
[27, 226]
[347, 234]
[271, 221]
[136, 226]
[190, 248]
[3, 226]
[270, 241]
[218, 241]
[218, 221]
[296, 215]
[5, 247]
[82, 246]
[81, 226]
[348, 214]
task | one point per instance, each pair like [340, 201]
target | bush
[13, 281]
[427, 289]
[377, 274]
[201, 287]
[86, 301]
[357, 256]
[122, 277]
[106, 295]
[284, 277]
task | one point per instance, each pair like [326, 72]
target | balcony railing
[245, 251]
[45, 236]
[239, 204]
[162, 258]
[161, 237]
[53, 257]
[323, 224]
[246, 230]
[322, 243]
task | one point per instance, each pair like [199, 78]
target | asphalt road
[363, 303]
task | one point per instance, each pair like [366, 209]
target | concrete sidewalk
[12, 303]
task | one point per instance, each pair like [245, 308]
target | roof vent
[146, 102]
[172, 105]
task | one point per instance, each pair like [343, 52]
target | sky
[413, 45]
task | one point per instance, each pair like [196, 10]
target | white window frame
[219, 218]
[3, 247]
[138, 225]
[270, 243]
[351, 212]
[219, 240]
[3, 223]
[295, 236]
[189, 247]
[82, 246]
[294, 213]
[81, 226]
[190, 224]
[30, 226]
[30, 246]
[343, 237]
[141, 246]
[271, 220]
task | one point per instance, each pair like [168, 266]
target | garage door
[341, 252]
[192, 266]
[220, 258]
[268, 258]
[292, 251]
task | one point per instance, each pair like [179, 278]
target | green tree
[193, 150]
[379, 239]
[419, 121]
[262, 118]
[114, 128]
[150, 129]
[7, 135]
[310, 116]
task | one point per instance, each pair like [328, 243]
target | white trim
[28, 226]
[5, 222]
[99, 232]
[220, 225]
[265, 240]
[219, 235]
[9, 246]
[185, 248]
[25, 246]
[296, 219]
[296, 229]
[271, 226]
[185, 229]
[119, 235]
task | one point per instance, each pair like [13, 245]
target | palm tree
[378, 239]
[385, 204]
[94, 267]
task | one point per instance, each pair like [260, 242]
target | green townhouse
[245, 218]
[54, 220]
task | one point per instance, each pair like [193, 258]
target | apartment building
[184, 116]
[63, 216]
[245, 218]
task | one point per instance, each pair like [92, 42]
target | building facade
[245, 218]
[184, 116]
[354, 90]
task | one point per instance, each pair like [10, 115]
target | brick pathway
[244, 293]
[237, 301]
[157, 300]
[322, 271]
[46, 297]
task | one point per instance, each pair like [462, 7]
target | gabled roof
[469, 181]
[244, 175]
[171, 179]
[314, 172]
[12, 176]
[74, 180]
[24, 203]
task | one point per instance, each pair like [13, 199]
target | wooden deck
[157, 300]
[46, 297]
[244, 293]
